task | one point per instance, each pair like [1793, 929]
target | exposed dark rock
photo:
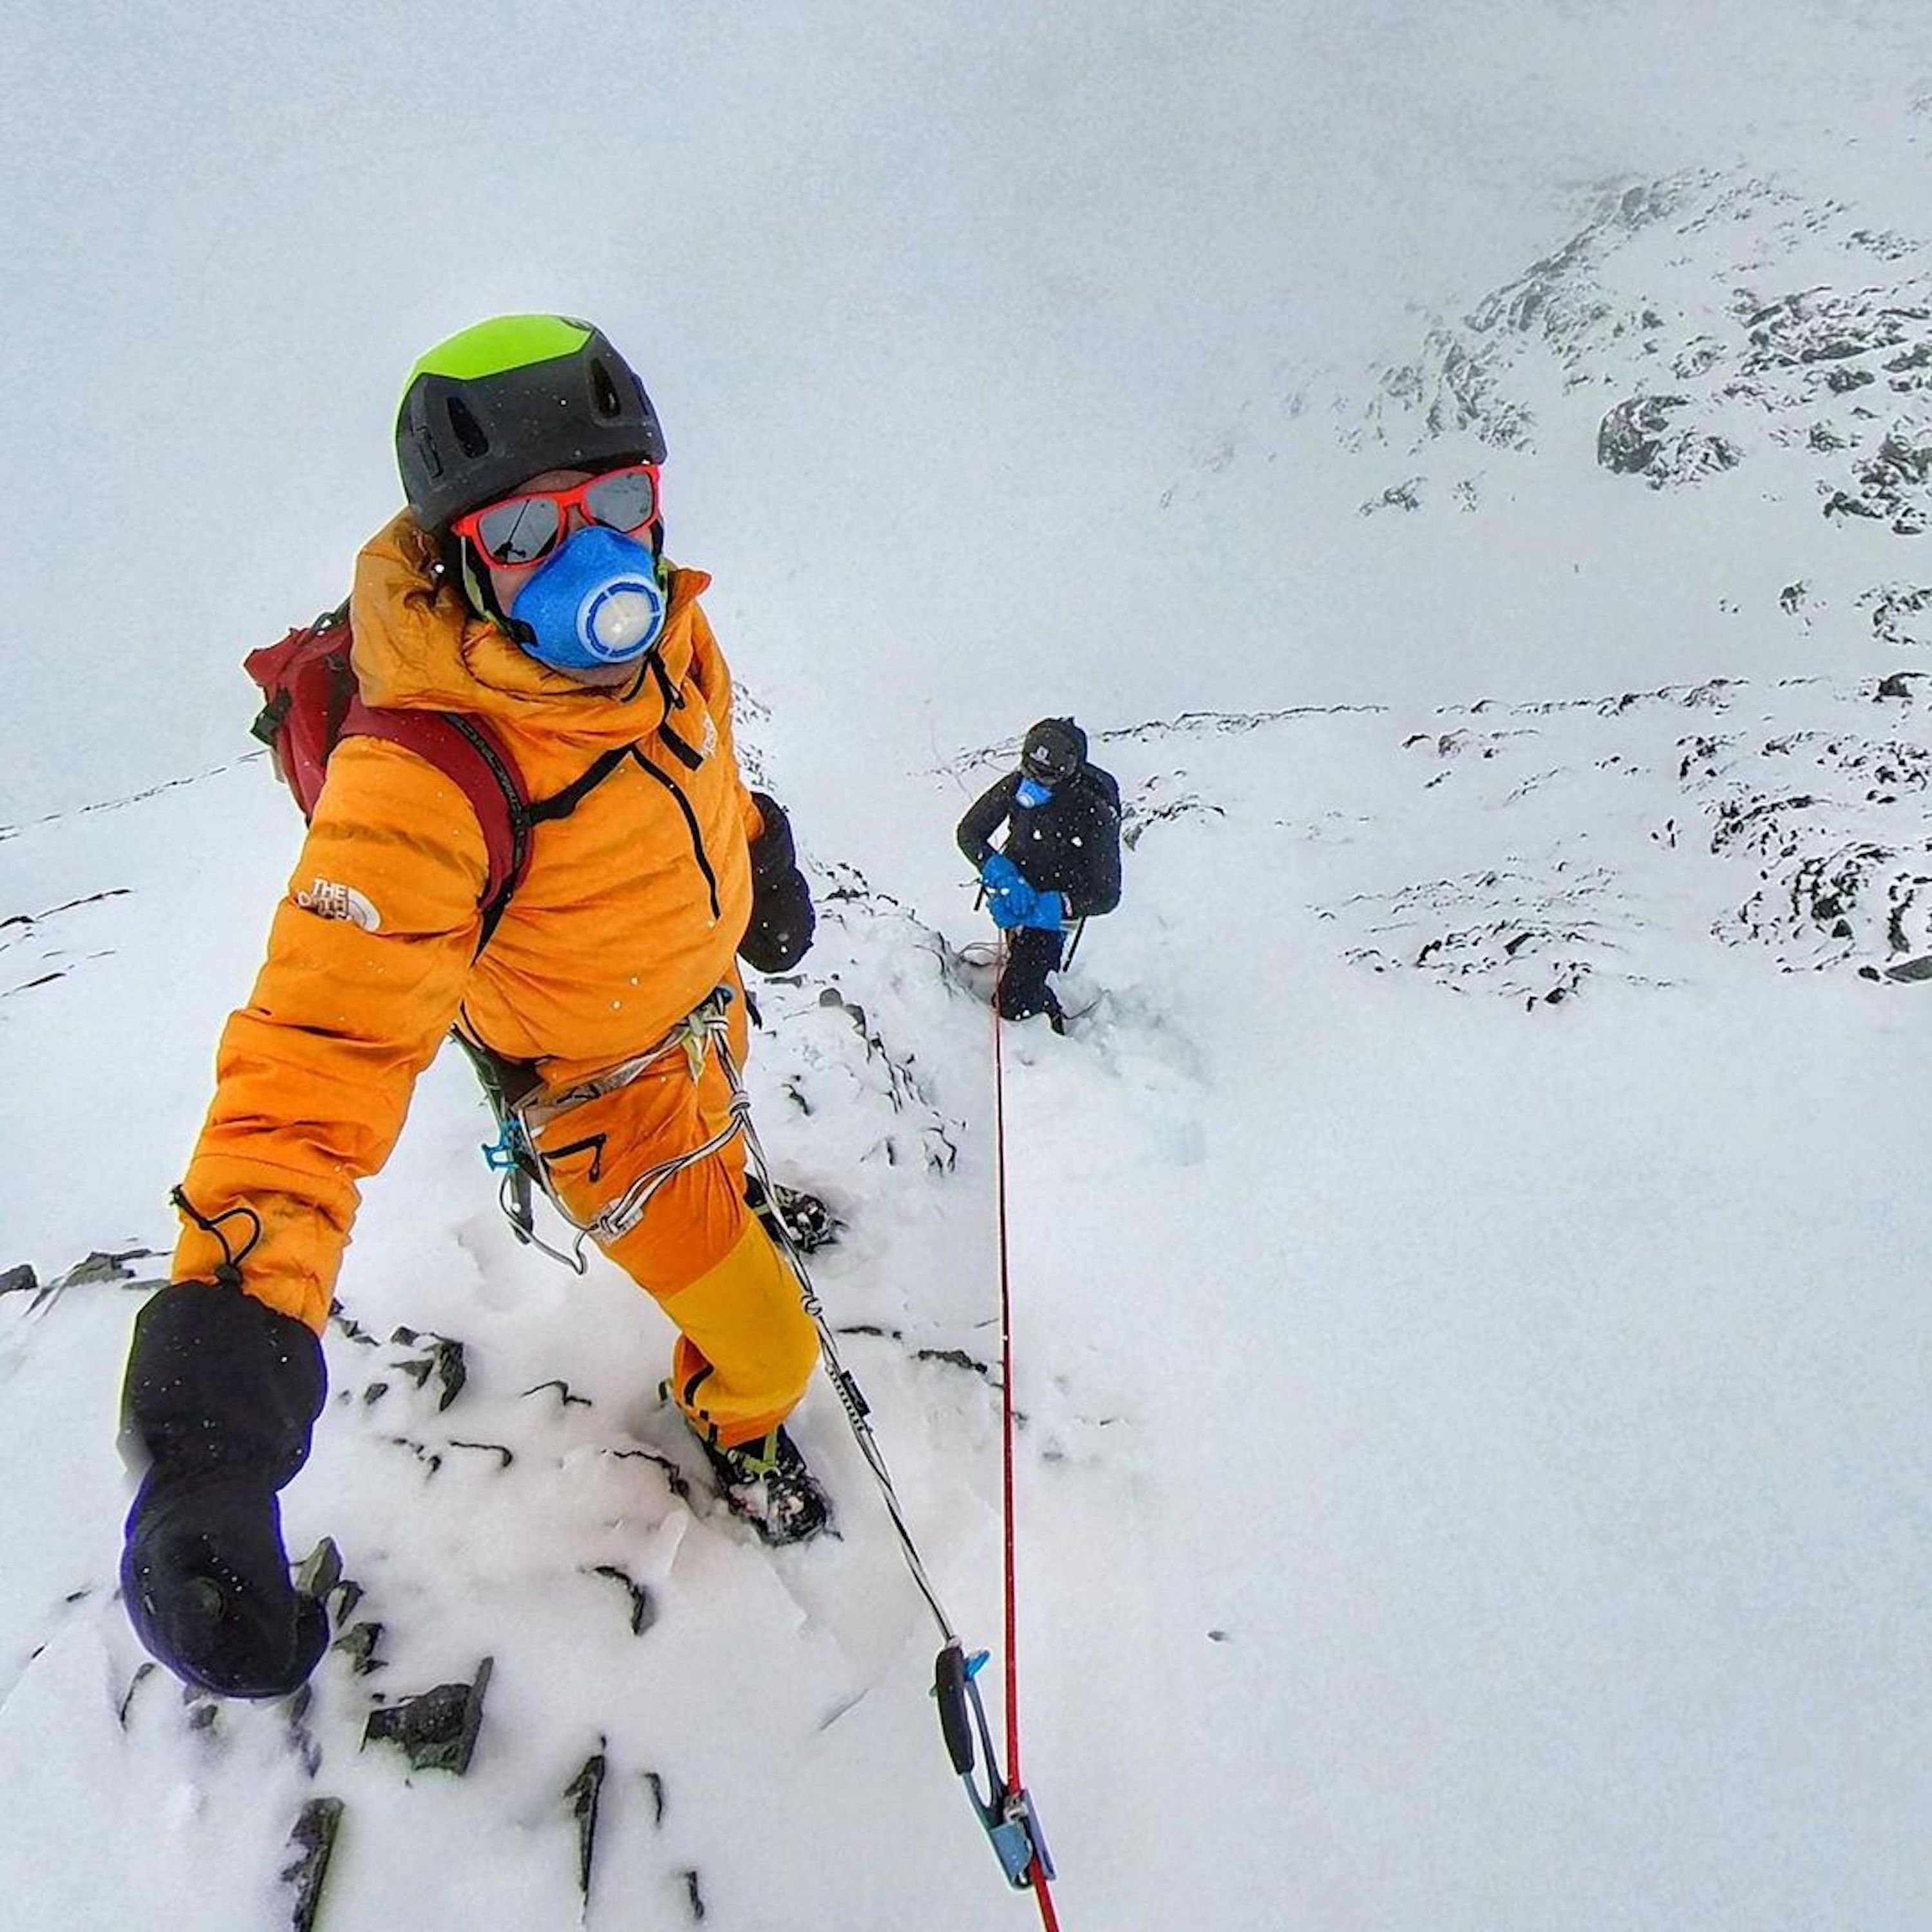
[1635, 439]
[566, 1396]
[1406, 495]
[437, 1730]
[693, 1895]
[1631, 436]
[142, 1674]
[1840, 504]
[583, 1794]
[1901, 613]
[430, 1459]
[103, 1266]
[301, 1740]
[956, 1358]
[1696, 357]
[1144, 818]
[674, 1477]
[310, 1846]
[1900, 460]
[643, 1605]
[442, 1358]
[358, 1643]
[1814, 325]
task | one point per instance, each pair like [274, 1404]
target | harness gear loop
[705, 1028]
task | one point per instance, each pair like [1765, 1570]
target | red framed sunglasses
[519, 530]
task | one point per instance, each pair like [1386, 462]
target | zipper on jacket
[690, 826]
[562, 804]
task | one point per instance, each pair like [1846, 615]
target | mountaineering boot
[811, 1225]
[765, 1482]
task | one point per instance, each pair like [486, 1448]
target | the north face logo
[327, 900]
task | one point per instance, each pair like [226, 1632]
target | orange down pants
[746, 1348]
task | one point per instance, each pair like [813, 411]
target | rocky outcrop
[1637, 439]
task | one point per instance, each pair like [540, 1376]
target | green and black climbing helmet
[501, 402]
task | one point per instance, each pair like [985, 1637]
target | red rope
[1006, 1417]
[1036, 1873]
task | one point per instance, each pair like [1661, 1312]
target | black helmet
[1055, 749]
[510, 398]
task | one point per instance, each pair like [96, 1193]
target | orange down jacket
[630, 914]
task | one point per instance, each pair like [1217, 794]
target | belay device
[1005, 1810]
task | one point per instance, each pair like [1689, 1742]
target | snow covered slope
[1474, 1442]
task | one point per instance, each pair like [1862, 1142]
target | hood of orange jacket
[418, 647]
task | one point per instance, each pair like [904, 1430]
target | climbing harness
[1001, 1803]
[522, 1115]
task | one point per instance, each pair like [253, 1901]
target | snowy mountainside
[1792, 820]
[1705, 413]
[1310, 894]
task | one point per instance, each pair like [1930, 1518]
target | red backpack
[313, 704]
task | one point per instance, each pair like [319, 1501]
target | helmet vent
[467, 431]
[605, 398]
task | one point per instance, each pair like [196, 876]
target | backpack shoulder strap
[471, 756]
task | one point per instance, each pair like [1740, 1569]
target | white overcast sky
[911, 287]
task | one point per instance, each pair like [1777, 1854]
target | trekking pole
[1079, 928]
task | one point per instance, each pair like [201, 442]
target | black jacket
[1070, 845]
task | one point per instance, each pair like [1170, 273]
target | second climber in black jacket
[1059, 862]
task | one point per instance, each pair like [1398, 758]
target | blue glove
[1044, 913]
[999, 874]
[1015, 904]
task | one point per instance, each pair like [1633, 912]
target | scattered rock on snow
[1632, 434]
[437, 1730]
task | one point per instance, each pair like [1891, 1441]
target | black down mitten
[782, 920]
[221, 1393]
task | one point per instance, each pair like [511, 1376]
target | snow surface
[1475, 1461]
